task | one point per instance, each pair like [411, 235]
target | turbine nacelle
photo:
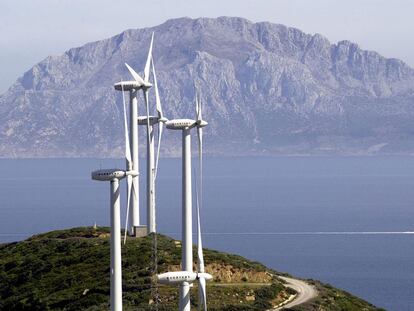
[179, 124]
[142, 120]
[182, 124]
[111, 174]
[178, 277]
[131, 85]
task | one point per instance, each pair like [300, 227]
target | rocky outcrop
[225, 273]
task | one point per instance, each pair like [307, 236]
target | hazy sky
[30, 30]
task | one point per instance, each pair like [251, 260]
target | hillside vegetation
[69, 270]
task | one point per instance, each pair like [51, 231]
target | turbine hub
[202, 123]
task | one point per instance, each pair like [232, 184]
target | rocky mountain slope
[267, 89]
[69, 270]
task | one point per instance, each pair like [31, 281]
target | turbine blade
[202, 293]
[129, 184]
[200, 106]
[200, 256]
[147, 64]
[136, 76]
[199, 200]
[146, 79]
[148, 120]
[197, 106]
[157, 95]
[200, 160]
[160, 128]
[160, 115]
[127, 143]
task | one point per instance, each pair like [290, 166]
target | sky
[31, 30]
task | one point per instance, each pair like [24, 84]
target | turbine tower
[187, 248]
[114, 176]
[133, 87]
[152, 164]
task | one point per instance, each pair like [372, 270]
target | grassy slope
[69, 270]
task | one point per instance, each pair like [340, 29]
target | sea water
[347, 221]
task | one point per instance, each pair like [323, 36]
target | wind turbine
[114, 176]
[133, 87]
[152, 164]
[149, 121]
[185, 125]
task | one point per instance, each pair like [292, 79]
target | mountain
[266, 89]
[69, 270]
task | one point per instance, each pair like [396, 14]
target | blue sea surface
[341, 220]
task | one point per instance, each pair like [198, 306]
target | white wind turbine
[149, 121]
[187, 252]
[152, 164]
[114, 176]
[133, 87]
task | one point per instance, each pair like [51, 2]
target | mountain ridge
[267, 89]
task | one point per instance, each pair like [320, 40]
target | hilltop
[69, 270]
[266, 88]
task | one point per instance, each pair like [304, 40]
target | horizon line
[273, 233]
